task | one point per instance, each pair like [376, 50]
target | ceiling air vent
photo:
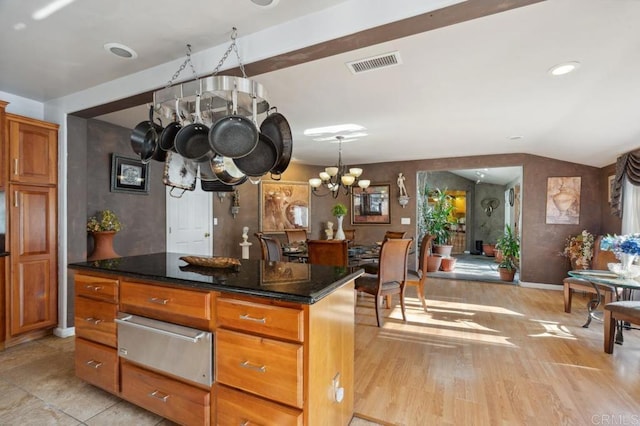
[375, 62]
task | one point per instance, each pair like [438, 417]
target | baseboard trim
[541, 286]
[64, 332]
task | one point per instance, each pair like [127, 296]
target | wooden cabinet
[33, 150]
[237, 408]
[96, 359]
[29, 160]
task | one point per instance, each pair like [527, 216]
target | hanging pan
[168, 135]
[144, 138]
[234, 135]
[276, 127]
[226, 171]
[179, 173]
[262, 159]
[192, 141]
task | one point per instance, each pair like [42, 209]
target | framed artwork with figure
[284, 206]
[563, 200]
[129, 175]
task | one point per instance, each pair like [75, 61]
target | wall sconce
[235, 207]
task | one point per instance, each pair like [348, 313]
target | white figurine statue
[329, 231]
[245, 234]
[403, 189]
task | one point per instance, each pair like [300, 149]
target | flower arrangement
[622, 244]
[579, 249]
[105, 220]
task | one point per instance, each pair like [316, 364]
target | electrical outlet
[215, 221]
[405, 221]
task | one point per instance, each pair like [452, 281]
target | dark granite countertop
[293, 282]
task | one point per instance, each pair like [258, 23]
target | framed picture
[371, 206]
[563, 200]
[284, 206]
[129, 175]
[610, 181]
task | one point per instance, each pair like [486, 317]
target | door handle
[207, 235]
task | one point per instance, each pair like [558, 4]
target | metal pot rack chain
[216, 92]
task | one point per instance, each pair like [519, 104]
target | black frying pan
[276, 127]
[192, 141]
[144, 138]
[262, 159]
[168, 135]
[233, 136]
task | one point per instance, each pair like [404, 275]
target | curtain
[627, 165]
[631, 207]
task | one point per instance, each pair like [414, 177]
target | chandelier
[336, 177]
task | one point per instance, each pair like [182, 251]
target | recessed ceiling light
[564, 68]
[265, 3]
[121, 50]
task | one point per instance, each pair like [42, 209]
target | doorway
[189, 222]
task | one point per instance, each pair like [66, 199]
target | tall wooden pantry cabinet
[30, 152]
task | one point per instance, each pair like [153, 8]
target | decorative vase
[339, 232]
[103, 245]
[563, 201]
[626, 259]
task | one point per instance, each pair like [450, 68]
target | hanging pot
[226, 171]
[192, 141]
[234, 135]
[276, 127]
[168, 135]
[262, 159]
[179, 173]
[144, 138]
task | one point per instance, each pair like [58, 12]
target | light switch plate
[215, 221]
[405, 221]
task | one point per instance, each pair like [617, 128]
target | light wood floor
[492, 354]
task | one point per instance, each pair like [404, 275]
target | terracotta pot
[448, 264]
[507, 274]
[444, 250]
[433, 262]
[489, 249]
[103, 246]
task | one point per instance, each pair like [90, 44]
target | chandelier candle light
[336, 176]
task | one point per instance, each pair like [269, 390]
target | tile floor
[38, 387]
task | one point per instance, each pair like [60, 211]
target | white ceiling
[466, 89]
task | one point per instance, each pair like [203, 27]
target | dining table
[358, 254]
[621, 289]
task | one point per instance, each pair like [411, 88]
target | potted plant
[339, 211]
[103, 226]
[509, 245]
[437, 218]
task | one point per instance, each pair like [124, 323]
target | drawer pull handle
[158, 395]
[259, 368]
[93, 320]
[93, 287]
[128, 321]
[247, 317]
[158, 301]
[94, 364]
[245, 423]
[15, 166]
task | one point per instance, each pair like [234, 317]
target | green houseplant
[509, 245]
[437, 215]
[339, 210]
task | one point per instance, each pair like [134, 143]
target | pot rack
[220, 95]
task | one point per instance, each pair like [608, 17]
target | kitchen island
[281, 338]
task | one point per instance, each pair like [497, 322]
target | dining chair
[391, 276]
[350, 235]
[372, 268]
[419, 276]
[620, 311]
[271, 248]
[296, 235]
[328, 252]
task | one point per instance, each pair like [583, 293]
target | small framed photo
[129, 175]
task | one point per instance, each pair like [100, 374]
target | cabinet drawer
[97, 364]
[94, 320]
[186, 307]
[262, 366]
[239, 408]
[105, 289]
[166, 397]
[276, 321]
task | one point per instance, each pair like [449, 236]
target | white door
[190, 222]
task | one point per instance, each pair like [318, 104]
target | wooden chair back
[394, 235]
[601, 257]
[271, 248]
[350, 235]
[296, 235]
[393, 260]
[328, 252]
[425, 250]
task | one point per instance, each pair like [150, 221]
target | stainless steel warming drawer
[182, 351]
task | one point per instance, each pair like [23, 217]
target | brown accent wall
[144, 215]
